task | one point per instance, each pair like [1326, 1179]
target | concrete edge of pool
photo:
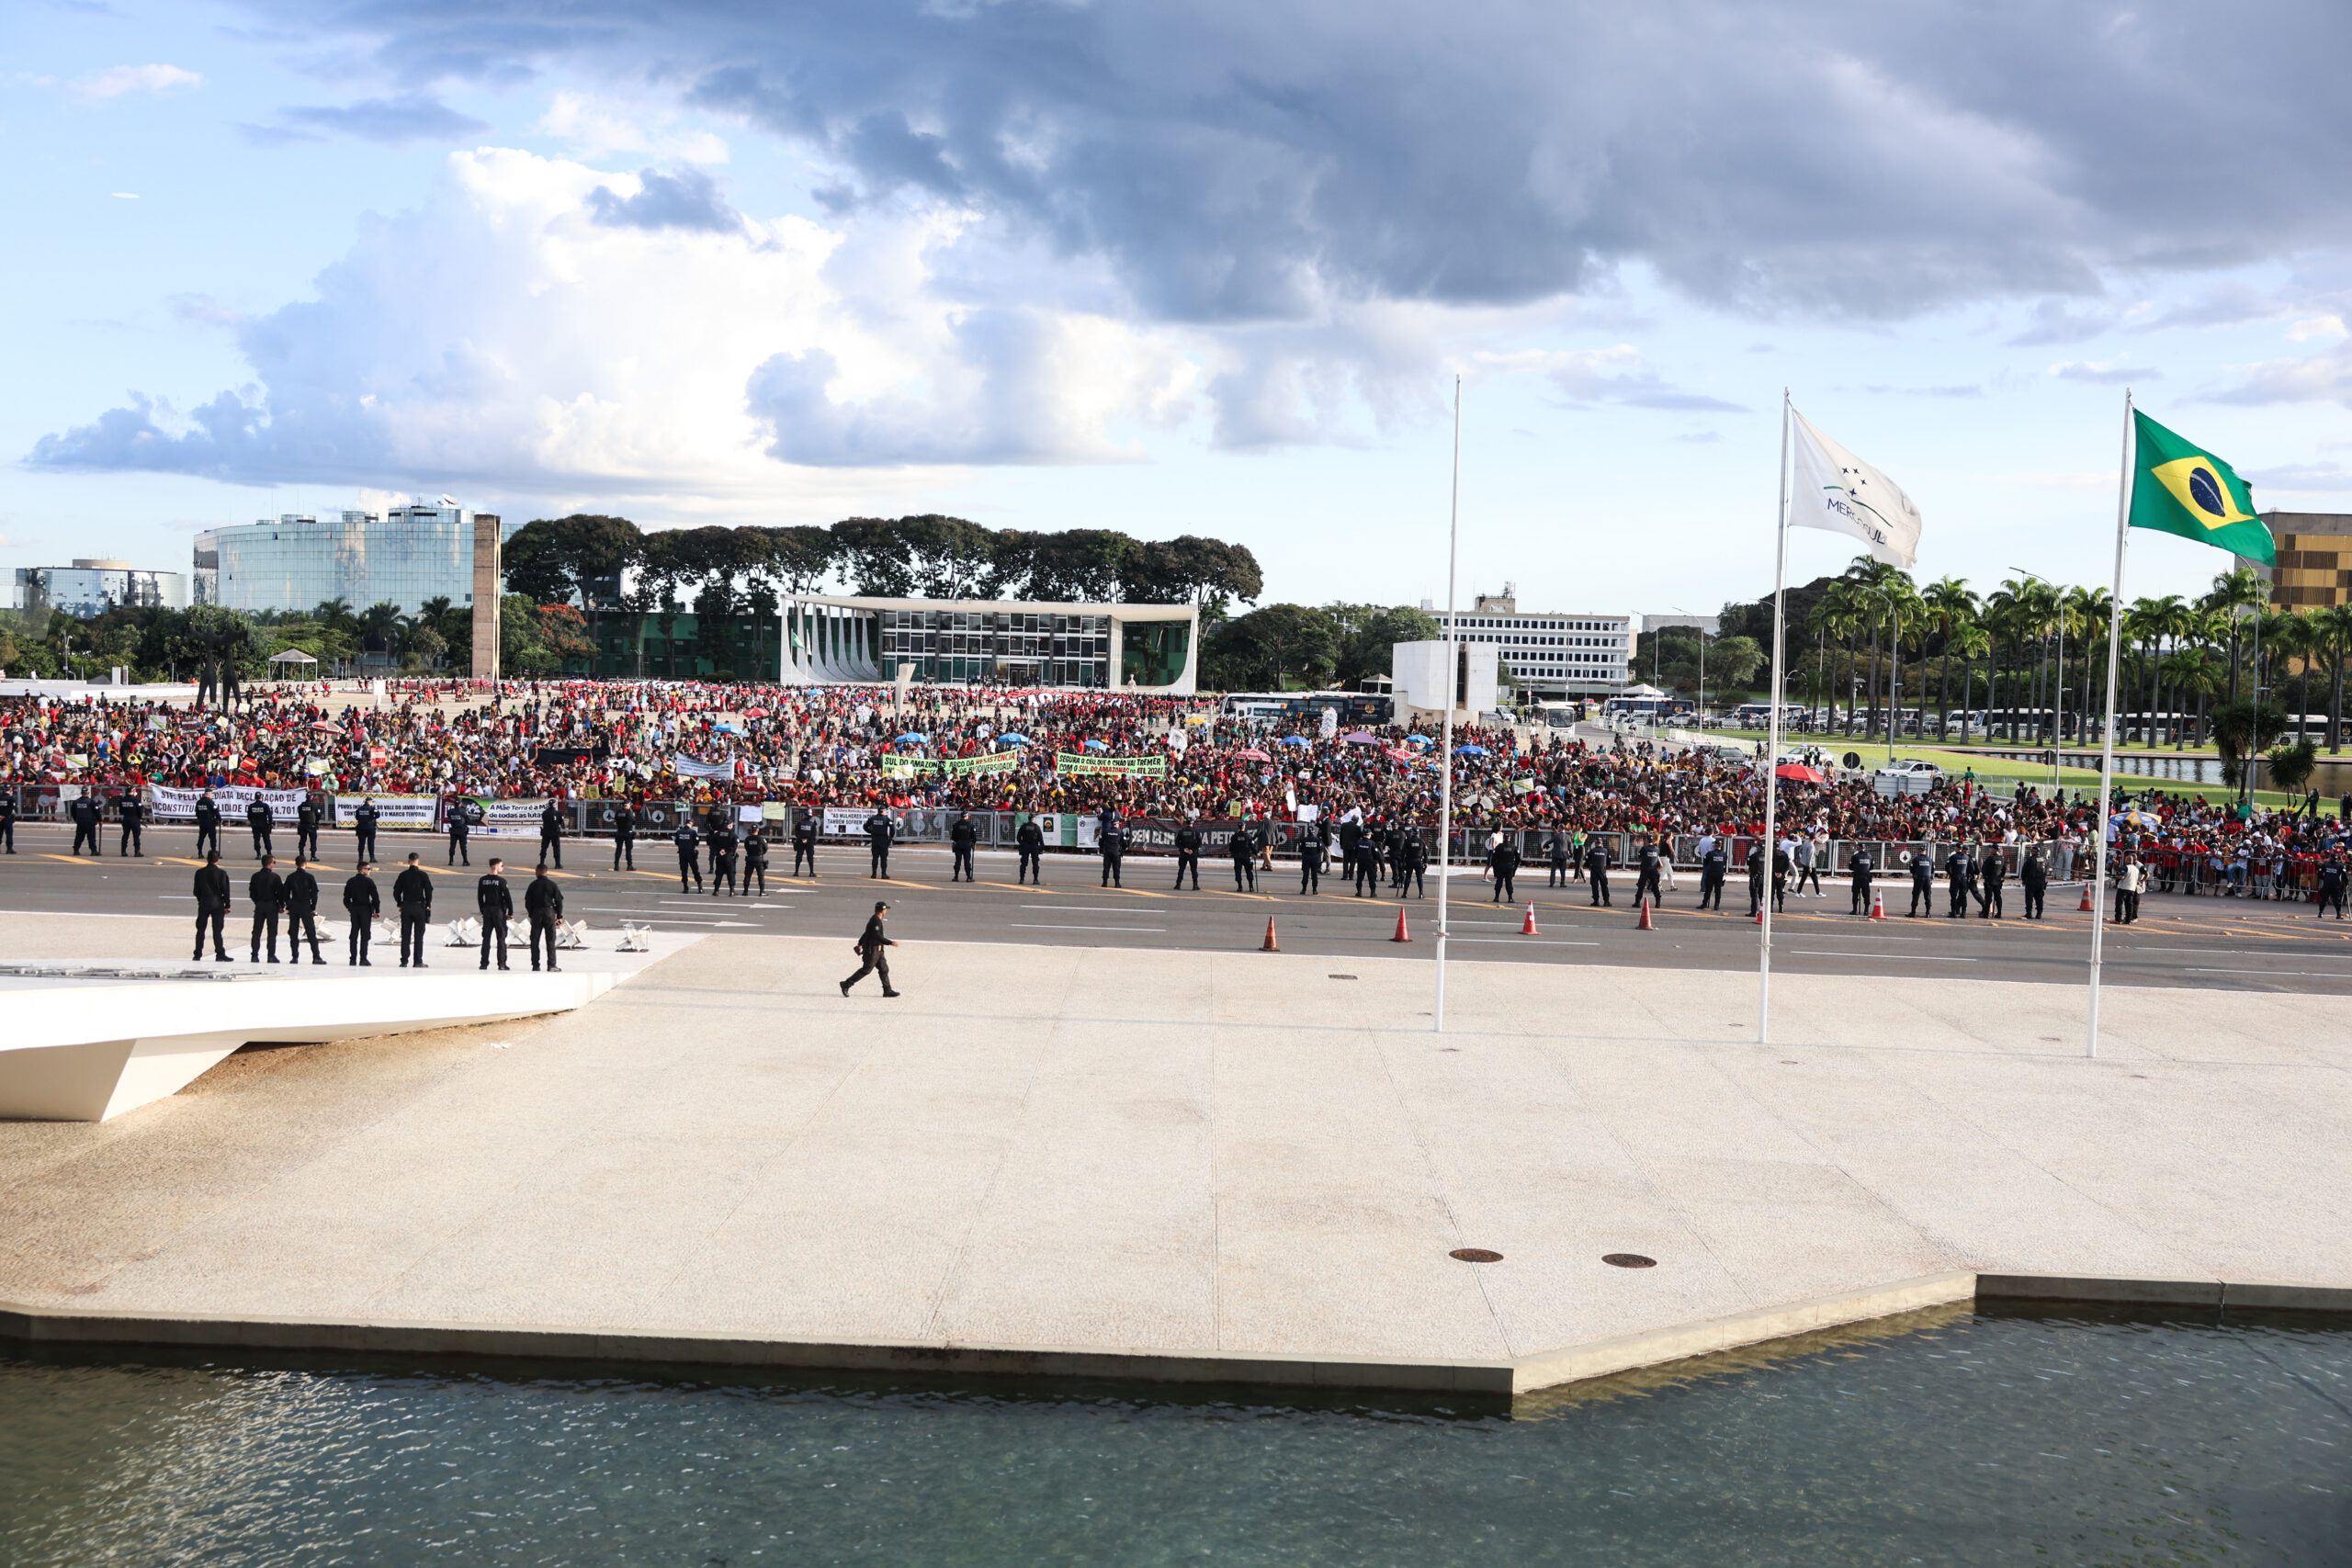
[1527, 1374]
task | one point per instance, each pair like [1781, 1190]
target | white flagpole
[1445, 724]
[2106, 738]
[1772, 737]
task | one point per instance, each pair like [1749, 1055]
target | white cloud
[113, 84]
[500, 338]
[2316, 327]
[594, 126]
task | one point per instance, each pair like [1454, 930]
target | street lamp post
[1893, 666]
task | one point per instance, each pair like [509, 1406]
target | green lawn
[1957, 762]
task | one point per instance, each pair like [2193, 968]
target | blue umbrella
[1009, 738]
[1295, 741]
[1470, 752]
[911, 738]
[1098, 746]
[1419, 740]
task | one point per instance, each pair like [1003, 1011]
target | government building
[1144, 648]
[298, 561]
[1556, 654]
[2314, 550]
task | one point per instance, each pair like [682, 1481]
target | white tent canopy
[293, 656]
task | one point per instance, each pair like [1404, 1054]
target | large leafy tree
[1365, 634]
[556, 560]
[1270, 648]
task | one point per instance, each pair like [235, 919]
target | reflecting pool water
[1949, 1438]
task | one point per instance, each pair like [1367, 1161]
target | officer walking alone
[1244, 850]
[1857, 876]
[1504, 864]
[2034, 878]
[211, 906]
[9, 817]
[361, 904]
[412, 897]
[623, 836]
[496, 905]
[1310, 860]
[871, 948]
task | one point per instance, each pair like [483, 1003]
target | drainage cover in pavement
[1476, 1255]
[1344, 976]
[1630, 1260]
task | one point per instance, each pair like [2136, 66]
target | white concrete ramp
[88, 1040]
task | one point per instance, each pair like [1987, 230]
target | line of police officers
[296, 898]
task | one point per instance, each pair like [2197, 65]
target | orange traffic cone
[1269, 944]
[2085, 907]
[1878, 905]
[1758, 918]
[1402, 933]
[1643, 923]
[1527, 927]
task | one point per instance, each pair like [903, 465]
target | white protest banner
[686, 767]
[179, 805]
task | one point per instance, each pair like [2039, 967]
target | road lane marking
[1906, 957]
[1023, 926]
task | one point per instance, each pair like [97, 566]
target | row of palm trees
[2030, 636]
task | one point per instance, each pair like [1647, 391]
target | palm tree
[1838, 614]
[1950, 602]
[2006, 615]
[2233, 591]
[2294, 641]
[1971, 641]
[2087, 611]
[2337, 621]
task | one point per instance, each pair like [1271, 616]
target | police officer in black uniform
[458, 831]
[1368, 866]
[2034, 876]
[257, 822]
[689, 844]
[496, 905]
[623, 836]
[208, 822]
[1310, 860]
[9, 817]
[962, 834]
[1957, 866]
[1244, 850]
[722, 852]
[1756, 879]
[1556, 850]
[543, 902]
[1714, 869]
[1188, 852]
[306, 828]
[871, 947]
[361, 905]
[211, 906]
[1030, 842]
[1648, 880]
[363, 830]
[1923, 883]
[1992, 869]
[551, 834]
[755, 861]
[1351, 835]
[132, 815]
[1858, 877]
[1503, 861]
[2331, 887]
[1784, 867]
[412, 897]
[265, 891]
[301, 913]
[85, 811]
[1112, 841]
[1596, 868]
[1412, 858]
[880, 831]
[804, 841]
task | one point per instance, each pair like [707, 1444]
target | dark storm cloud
[688, 198]
[1246, 160]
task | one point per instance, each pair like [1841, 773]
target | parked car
[1910, 775]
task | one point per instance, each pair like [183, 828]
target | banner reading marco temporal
[179, 805]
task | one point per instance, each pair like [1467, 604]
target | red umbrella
[1252, 753]
[1799, 772]
[329, 728]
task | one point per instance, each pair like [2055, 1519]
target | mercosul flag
[2180, 489]
[1837, 490]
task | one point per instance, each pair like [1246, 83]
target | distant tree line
[716, 571]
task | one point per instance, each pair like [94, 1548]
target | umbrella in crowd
[2134, 818]
[1470, 752]
[911, 738]
[1253, 754]
[1009, 738]
[1098, 746]
[1798, 772]
[1361, 738]
[325, 728]
[1293, 740]
[1419, 740]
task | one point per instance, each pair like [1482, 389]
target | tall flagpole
[1445, 724]
[2107, 738]
[1772, 737]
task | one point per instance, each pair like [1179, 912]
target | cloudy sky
[1201, 269]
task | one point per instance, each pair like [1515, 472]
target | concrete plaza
[1189, 1158]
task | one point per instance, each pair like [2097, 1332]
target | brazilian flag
[2184, 490]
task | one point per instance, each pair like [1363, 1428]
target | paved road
[2180, 941]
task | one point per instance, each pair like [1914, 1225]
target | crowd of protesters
[866, 748]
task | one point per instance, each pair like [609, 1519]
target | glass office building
[1150, 648]
[298, 561]
[88, 589]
